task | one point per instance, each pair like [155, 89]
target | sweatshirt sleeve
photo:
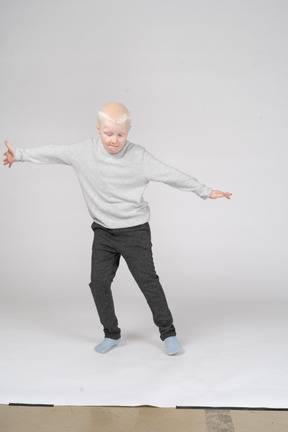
[48, 154]
[158, 171]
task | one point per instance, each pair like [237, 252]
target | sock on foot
[106, 345]
[173, 345]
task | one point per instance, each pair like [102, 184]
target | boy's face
[113, 135]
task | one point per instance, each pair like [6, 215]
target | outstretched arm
[218, 194]
[47, 154]
[158, 171]
[10, 159]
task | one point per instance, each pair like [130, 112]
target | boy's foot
[173, 345]
[106, 345]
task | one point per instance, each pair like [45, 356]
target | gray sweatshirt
[113, 184]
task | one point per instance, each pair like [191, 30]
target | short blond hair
[115, 112]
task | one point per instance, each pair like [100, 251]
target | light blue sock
[173, 345]
[106, 345]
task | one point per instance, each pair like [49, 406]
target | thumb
[10, 148]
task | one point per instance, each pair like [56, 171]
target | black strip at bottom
[30, 405]
[232, 408]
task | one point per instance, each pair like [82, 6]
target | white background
[206, 84]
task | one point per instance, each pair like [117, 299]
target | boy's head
[114, 123]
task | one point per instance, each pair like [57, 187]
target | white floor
[235, 355]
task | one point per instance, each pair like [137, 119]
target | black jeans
[134, 244]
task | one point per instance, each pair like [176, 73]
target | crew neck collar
[106, 153]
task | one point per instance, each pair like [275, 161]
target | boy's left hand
[218, 194]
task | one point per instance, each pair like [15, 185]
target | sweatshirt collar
[107, 154]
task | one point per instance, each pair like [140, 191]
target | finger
[10, 149]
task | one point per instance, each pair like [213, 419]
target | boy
[113, 174]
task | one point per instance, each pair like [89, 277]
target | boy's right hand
[9, 155]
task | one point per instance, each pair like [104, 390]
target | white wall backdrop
[206, 83]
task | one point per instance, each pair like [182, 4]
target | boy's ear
[98, 127]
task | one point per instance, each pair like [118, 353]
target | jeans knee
[149, 282]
